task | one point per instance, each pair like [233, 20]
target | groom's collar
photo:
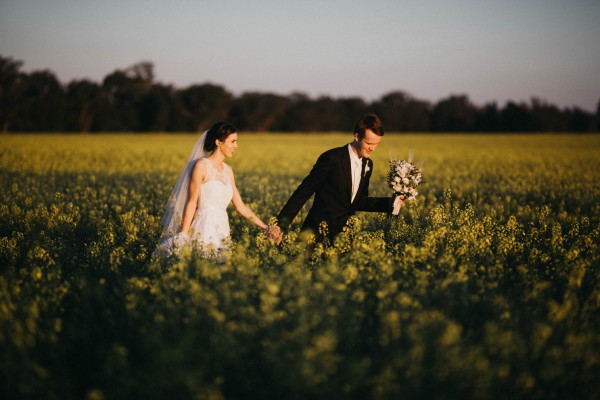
[353, 155]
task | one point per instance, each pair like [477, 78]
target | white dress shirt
[356, 169]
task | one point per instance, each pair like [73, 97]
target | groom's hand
[398, 203]
[274, 232]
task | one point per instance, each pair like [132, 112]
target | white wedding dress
[210, 225]
[209, 231]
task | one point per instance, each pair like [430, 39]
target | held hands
[274, 232]
[398, 204]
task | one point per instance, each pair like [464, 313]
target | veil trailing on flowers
[171, 221]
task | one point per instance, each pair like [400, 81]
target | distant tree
[323, 114]
[121, 98]
[157, 109]
[454, 114]
[547, 117]
[300, 115]
[124, 90]
[598, 116]
[328, 114]
[203, 105]
[12, 90]
[349, 110]
[254, 111]
[45, 103]
[402, 113]
[84, 104]
[579, 120]
[142, 72]
[516, 118]
[488, 118]
[130, 100]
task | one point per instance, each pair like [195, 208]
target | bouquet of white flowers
[403, 178]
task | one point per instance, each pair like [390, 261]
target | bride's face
[229, 145]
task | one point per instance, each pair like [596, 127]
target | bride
[196, 213]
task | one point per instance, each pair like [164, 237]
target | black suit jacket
[330, 181]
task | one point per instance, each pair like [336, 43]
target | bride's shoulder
[200, 166]
[202, 162]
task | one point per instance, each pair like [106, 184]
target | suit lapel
[365, 162]
[363, 174]
[347, 171]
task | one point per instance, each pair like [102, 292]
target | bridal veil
[171, 221]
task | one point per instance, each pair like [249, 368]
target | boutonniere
[367, 169]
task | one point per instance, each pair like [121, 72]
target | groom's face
[367, 144]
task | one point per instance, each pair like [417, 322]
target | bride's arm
[198, 175]
[242, 208]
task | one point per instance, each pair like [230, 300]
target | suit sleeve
[374, 204]
[305, 190]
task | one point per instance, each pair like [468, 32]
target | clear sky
[491, 50]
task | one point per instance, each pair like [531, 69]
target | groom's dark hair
[368, 121]
[219, 131]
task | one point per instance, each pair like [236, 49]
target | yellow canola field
[486, 287]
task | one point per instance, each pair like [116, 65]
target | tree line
[131, 100]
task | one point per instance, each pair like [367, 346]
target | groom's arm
[305, 190]
[373, 204]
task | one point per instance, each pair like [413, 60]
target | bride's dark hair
[219, 131]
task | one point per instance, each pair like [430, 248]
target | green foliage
[486, 287]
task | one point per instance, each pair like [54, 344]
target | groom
[340, 182]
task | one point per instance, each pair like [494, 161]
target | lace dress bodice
[216, 191]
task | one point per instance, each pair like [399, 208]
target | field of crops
[486, 288]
